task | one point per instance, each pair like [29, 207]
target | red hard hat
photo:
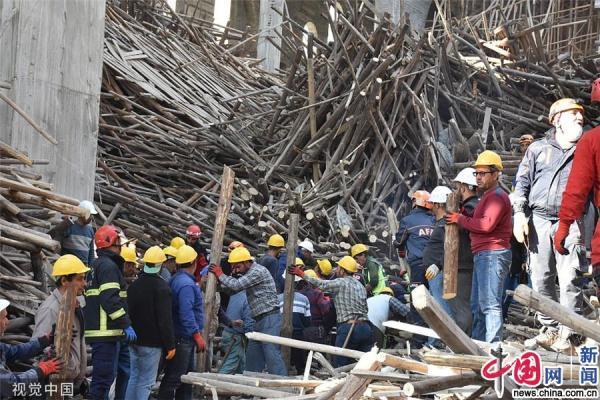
[193, 231]
[596, 90]
[106, 236]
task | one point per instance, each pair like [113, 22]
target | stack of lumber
[342, 136]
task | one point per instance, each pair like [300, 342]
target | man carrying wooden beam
[262, 298]
[350, 299]
[490, 229]
[69, 272]
[540, 183]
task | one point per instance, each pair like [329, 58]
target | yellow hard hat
[357, 249]
[348, 263]
[177, 242]
[311, 273]
[155, 255]
[563, 105]
[298, 261]
[170, 251]
[67, 265]
[185, 254]
[387, 290]
[324, 266]
[128, 253]
[239, 255]
[276, 241]
[487, 158]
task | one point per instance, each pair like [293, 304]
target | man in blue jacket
[234, 342]
[413, 235]
[77, 236]
[188, 321]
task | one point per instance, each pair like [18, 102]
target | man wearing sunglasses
[490, 229]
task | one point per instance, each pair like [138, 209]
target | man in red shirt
[490, 229]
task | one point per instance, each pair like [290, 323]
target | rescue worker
[413, 235]
[306, 251]
[130, 265]
[192, 239]
[350, 299]
[466, 186]
[524, 142]
[177, 242]
[433, 253]
[541, 180]
[372, 271]
[271, 259]
[105, 313]
[149, 301]
[10, 381]
[77, 236]
[234, 342]
[262, 298]
[379, 307]
[320, 307]
[300, 320]
[324, 269]
[69, 274]
[583, 183]
[490, 229]
[188, 322]
[169, 267]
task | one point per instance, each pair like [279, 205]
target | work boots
[546, 338]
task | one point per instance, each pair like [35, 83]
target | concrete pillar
[417, 10]
[51, 66]
[269, 21]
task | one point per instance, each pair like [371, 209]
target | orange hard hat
[421, 198]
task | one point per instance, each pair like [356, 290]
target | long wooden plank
[215, 255]
[288, 291]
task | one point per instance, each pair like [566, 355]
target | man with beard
[540, 183]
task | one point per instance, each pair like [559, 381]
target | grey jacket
[542, 177]
[46, 316]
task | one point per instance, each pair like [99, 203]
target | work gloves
[560, 236]
[431, 272]
[401, 253]
[200, 344]
[520, 226]
[452, 218]
[50, 366]
[296, 270]
[215, 269]
[170, 354]
[130, 334]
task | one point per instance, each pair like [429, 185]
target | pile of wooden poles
[342, 136]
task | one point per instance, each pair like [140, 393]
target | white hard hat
[4, 304]
[307, 245]
[88, 205]
[439, 194]
[467, 176]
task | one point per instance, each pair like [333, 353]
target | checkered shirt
[349, 297]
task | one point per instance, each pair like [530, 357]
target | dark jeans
[361, 340]
[183, 362]
[122, 367]
[104, 358]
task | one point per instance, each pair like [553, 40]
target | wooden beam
[558, 312]
[14, 185]
[63, 334]
[441, 383]
[216, 249]
[27, 118]
[356, 385]
[451, 246]
[288, 291]
[195, 379]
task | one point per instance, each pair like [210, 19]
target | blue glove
[130, 334]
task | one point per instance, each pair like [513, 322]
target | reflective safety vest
[369, 266]
[105, 308]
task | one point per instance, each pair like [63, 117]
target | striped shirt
[259, 286]
[301, 304]
[79, 241]
[349, 297]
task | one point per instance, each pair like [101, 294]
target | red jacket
[584, 177]
[490, 226]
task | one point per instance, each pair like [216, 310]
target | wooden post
[215, 257]
[440, 383]
[451, 245]
[558, 312]
[37, 266]
[355, 385]
[311, 99]
[63, 335]
[288, 291]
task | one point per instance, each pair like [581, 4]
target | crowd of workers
[144, 319]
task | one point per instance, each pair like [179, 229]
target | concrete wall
[203, 9]
[51, 57]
